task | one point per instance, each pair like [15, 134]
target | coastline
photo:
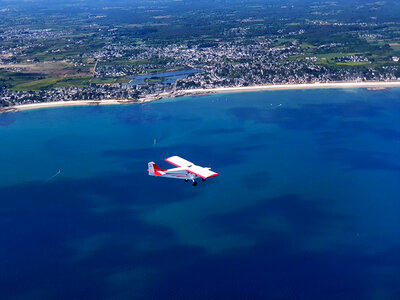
[70, 103]
[300, 86]
[375, 85]
[39, 105]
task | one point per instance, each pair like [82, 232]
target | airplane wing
[201, 172]
[191, 168]
[179, 161]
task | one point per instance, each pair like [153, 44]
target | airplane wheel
[186, 180]
[194, 183]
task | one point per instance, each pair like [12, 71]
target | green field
[353, 64]
[10, 79]
[61, 82]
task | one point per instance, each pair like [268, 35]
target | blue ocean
[307, 204]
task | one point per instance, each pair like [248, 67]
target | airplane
[185, 170]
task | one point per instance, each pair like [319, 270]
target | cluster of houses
[222, 63]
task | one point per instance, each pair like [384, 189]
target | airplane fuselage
[185, 170]
[178, 173]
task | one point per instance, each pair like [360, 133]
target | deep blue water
[307, 204]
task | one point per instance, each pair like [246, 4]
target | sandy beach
[66, 103]
[326, 85]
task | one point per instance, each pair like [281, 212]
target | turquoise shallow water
[306, 205]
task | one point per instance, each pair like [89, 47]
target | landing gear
[203, 179]
[194, 183]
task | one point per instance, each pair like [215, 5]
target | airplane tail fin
[154, 170]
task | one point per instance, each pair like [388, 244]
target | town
[102, 61]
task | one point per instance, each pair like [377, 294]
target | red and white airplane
[185, 170]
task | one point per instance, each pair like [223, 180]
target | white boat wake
[54, 176]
